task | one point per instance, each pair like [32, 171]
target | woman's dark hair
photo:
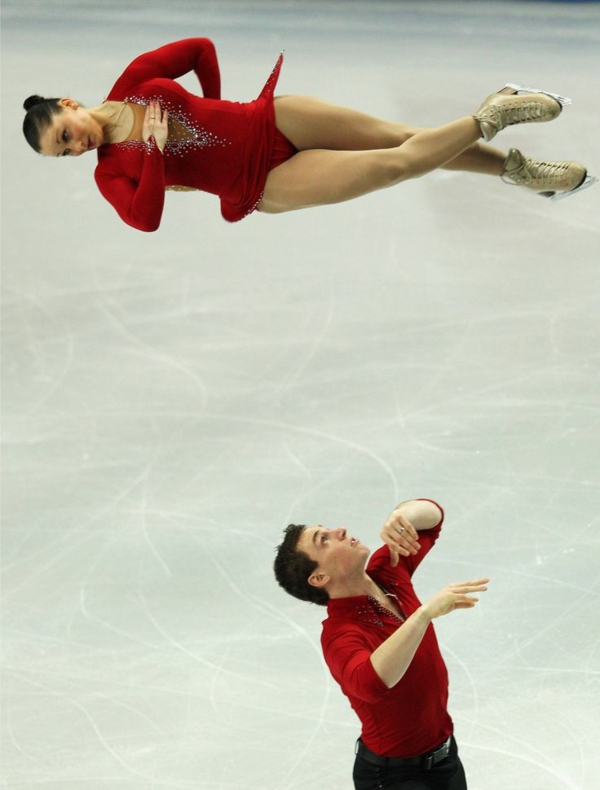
[38, 118]
[292, 568]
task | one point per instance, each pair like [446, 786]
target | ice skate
[525, 106]
[562, 100]
[550, 179]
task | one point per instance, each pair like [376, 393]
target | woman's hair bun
[32, 101]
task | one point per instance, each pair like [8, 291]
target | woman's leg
[311, 123]
[479, 158]
[316, 177]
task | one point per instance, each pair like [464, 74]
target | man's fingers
[462, 588]
[402, 525]
[470, 582]
[400, 544]
[405, 530]
[466, 603]
[400, 534]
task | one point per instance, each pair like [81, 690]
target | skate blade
[562, 100]
[588, 181]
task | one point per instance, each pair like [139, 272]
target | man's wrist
[423, 615]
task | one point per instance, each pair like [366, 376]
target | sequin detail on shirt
[369, 614]
[184, 134]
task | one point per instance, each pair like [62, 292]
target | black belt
[424, 761]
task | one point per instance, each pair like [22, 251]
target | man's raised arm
[401, 530]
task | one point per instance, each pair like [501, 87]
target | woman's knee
[391, 167]
[401, 132]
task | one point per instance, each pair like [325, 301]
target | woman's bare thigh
[320, 177]
[312, 123]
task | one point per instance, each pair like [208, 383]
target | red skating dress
[226, 148]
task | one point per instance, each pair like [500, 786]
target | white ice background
[172, 400]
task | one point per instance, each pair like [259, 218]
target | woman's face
[72, 132]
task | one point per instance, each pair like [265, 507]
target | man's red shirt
[410, 718]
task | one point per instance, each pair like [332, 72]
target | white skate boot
[525, 105]
[554, 180]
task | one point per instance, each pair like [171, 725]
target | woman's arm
[139, 204]
[173, 61]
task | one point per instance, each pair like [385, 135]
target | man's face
[339, 556]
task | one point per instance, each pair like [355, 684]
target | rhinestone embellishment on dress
[184, 134]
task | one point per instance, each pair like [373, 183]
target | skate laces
[540, 174]
[521, 112]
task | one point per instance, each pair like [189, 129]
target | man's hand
[400, 536]
[454, 596]
[393, 656]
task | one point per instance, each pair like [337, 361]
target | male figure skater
[380, 645]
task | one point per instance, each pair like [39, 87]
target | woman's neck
[116, 120]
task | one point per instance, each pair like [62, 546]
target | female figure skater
[273, 154]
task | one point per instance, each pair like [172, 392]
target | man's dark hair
[293, 567]
[38, 118]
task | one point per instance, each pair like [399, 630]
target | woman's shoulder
[143, 90]
[111, 159]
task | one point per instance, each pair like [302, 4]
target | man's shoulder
[342, 625]
[379, 558]
[380, 564]
[381, 570]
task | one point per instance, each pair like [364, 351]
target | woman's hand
[454, 596]
[156, 124]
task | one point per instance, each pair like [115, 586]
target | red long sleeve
[139, 204]
[173, 61]
[221, 147]
[411, 717]
[354, 671]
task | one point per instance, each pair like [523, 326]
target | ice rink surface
[172, 400]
